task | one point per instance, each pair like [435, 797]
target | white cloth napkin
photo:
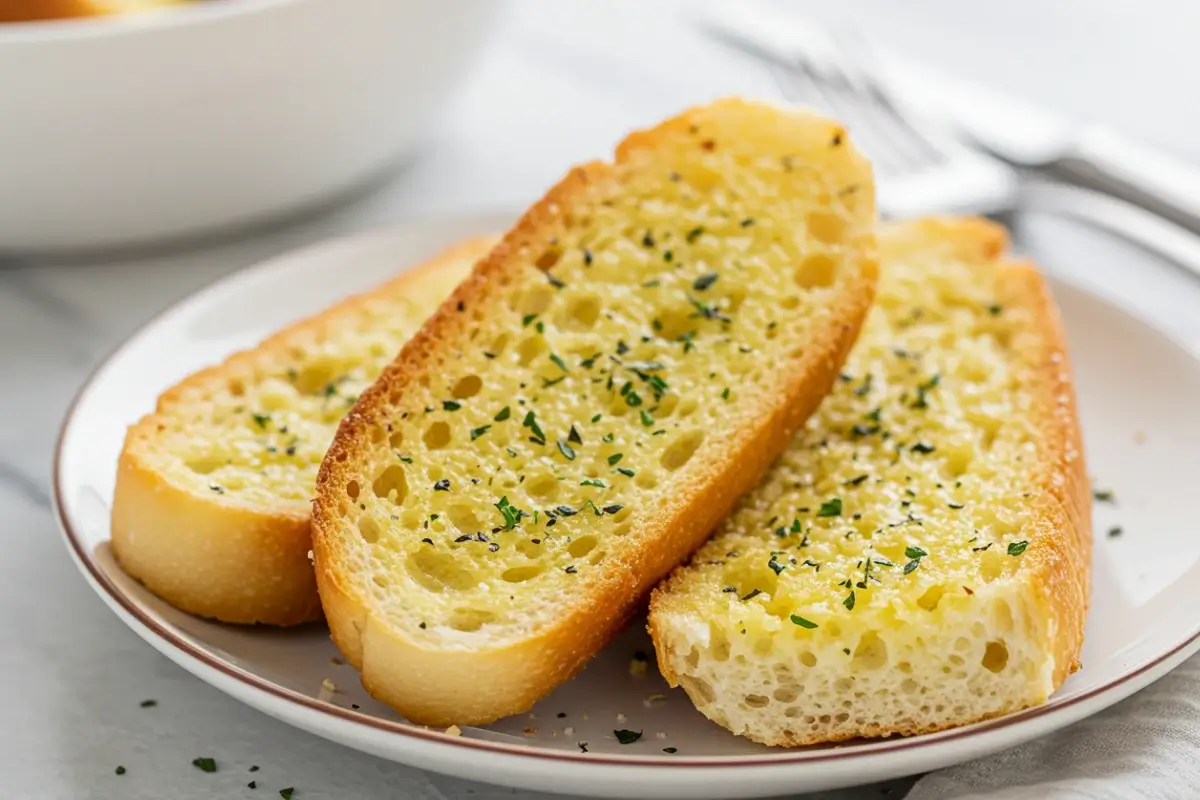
[1144, 748]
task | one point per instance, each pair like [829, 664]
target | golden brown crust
[212, 555]
[427, 684]
[1061, 542]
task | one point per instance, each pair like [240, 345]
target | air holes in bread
[369, 529]
[469, 620]
[530, 348]
[995, 656]
[816, 271]
[437, 435]
[464, 518]
[682, 449]
[826, 226]
[931, 597]
[467, 386]
[438, 571]
[543, 486]
[582, 312]
[392, 484]
[548, 258]
[582, 546]
[535, 299]
[522, 573]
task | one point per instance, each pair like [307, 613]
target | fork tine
[798, 82]
[859, 69]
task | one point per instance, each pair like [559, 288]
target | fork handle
[1116, 166]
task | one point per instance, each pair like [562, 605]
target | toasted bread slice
[919, 557]
[214, 489]
[588, 404]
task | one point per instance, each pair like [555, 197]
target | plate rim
[481, 221]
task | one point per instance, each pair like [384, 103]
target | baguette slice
[214, 489]
[919, 557]
[587, 406]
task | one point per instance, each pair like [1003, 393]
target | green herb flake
[1016, 548]
[504, 414]
[802, 622]
[694, 234]
[849, 601]
[995, 309]
[911, 565]
[647, 420]
[775, 566]
[627, 737]
[558, 362]
[405, 459]
[511, 513]
[912, 551]
[261, 420]
[923, 391]
[120, 770]
[615, 458]
[593, 482]
[528, 318]
[451, 405]
[924, 448]
[480, 431]
[531, 423]
[205, 764]
[1104, 496]
[148, 703]
[705, 281]
[566, 449]
[670, 750]
[1115, 531]
[287, 793]
[725, 394]
[626, 471]
[831, 508]
[706, 311]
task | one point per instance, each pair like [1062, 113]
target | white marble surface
[560, 82]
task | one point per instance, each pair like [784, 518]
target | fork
[920, 170]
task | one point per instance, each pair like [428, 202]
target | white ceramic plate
[1138, 391]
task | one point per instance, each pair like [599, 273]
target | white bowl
[149, 127]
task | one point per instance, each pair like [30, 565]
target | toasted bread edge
[455, 686]
[210, 555]
[1060, 584]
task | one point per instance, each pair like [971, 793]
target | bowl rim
[134, 22]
